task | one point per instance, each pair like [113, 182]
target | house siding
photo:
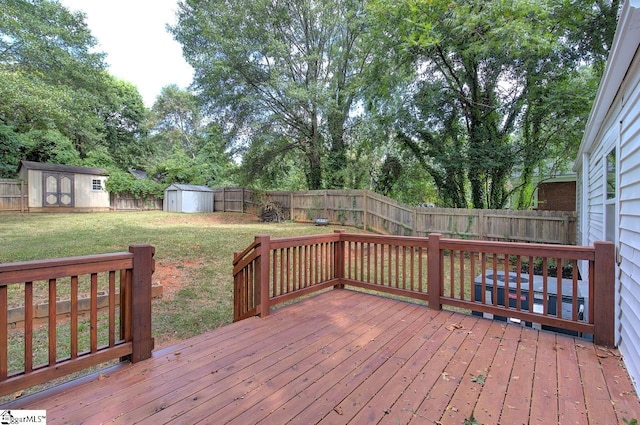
[614, 122]
[629, 221]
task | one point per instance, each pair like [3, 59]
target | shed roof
[31, 165]
[189, 188]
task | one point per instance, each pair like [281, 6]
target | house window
[96, 184]
[611, 175]
[611, 197]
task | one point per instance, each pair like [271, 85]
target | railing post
[434, 273]
[143, 268]
[263, 266]
[338, 259]
[604, 294]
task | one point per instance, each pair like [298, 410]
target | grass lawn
[194, 254]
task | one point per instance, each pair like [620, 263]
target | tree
[284, 74]
[484, 75]
[191, 150]
[56, 96]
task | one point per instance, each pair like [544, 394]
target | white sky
[139, 49]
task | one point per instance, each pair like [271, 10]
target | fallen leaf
[338, 410]
[454, 326]
[479, 379]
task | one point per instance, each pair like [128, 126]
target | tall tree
[283, 73]
[191, 149]
[483, 68]
[56, 96]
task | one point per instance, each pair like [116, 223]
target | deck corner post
[338, 259]
[263, 266]
[604, 294]
[434, 273]
[143, 268]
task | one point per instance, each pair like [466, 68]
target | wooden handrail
[133, 341]
[416, 267]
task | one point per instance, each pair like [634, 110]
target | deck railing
[534, 284]
[67, 341]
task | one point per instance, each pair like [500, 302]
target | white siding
[629, 224]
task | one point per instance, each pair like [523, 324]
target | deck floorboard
[344, 357]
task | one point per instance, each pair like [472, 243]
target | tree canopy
[458, 103]
[498, 86]
[284, 74]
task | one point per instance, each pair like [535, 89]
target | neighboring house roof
[189, 187]
[624, 47]
[138, 174]
[31, 165]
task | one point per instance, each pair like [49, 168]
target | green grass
[205, 300]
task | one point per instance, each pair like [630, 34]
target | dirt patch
[173, 275]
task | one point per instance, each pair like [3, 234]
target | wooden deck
[347, 357]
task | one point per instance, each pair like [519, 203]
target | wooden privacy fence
[35, 352]
[127, 202]
[13, 195]
[520, 282]
[368, 210]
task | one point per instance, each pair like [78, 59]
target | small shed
[608, 167]
[188, 198]
[68, 188]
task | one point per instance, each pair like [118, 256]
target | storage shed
[188, 198]
[57, 188]
[608, 167]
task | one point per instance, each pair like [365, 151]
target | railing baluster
[112, 308]
[4, 334]
[545, 288]
[472, 274]
[74, 317]
[559, 288]
[461, 280]
[93, 340]
[531, 289]
[52, 323]
[574, 288]
[28, 327]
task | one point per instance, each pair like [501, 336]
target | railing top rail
[387, 239]
[571, 252]
[56, 262]
[292, 241]
[241, 255]
[58, 267]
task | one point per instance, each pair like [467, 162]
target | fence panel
[13, 195]
[368, 210]
[127, 202]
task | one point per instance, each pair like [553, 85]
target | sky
[139, 49]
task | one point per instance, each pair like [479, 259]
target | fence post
[434, 273]
[604, 294]
[262, 289]
[364, 209]
[338, 259]
[143, 268]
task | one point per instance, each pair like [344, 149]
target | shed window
[96, 184]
